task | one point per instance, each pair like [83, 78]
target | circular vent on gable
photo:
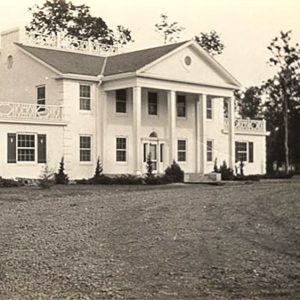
[10, 61]
[187, 60]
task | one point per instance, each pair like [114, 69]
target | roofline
[119, 76]
[38, 60]
[217, 64]
[203, 52]
[156, 61]
[97, 78]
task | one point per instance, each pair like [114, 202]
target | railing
[26, 111]
[247, 126]
[68, 43]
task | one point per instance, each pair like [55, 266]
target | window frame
[179, 106]
[41, 102]
[155, 104]
[84, 98]
[247, 151]
[121, 101]
[180, 151]
[209, 109]
[210, 150]
[123, 150]
[34, 148]
[89, 149]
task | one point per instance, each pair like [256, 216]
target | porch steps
[201, 178]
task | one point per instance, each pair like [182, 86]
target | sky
[246, 27]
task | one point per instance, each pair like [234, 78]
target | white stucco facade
[194, 139]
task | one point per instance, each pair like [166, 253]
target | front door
[156, 149]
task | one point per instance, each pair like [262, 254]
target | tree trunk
[286, 132]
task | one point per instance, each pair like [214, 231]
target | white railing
[68, 43]
[26, 111]
[247, 126]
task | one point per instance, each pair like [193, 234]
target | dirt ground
[172, 242]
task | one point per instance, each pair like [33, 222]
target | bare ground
[171, 242]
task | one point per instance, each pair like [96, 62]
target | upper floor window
[85, 97]
[209, 108]
[209, 150]
[152, 103]
[121, 100]
[85, 148]
[41, 97]
[181, 106]
[121, 147]
[181, 150]
[244, 151]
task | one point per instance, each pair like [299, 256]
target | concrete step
[201, 178]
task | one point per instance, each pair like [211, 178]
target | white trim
[80, 77]
[35, 122]
[119, 76]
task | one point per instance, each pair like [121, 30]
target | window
[41, 97]
[209, 151]
[152, 103]
[10, 62]
[181, 150]
[244, 151]
[121, 149]
[85, 148]
[26, 147]
[181, 106]
[121, 99]
[209, 108]
[161, 153]
[85, 97]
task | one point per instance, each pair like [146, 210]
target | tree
[283, 90]
[149, 167]
[61, 17]
[249, 102]
[60, 177]
[210, 42]
[98, 170]
[170, 31]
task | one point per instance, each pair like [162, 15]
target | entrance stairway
[201, 178]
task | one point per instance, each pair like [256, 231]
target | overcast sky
[246, 27]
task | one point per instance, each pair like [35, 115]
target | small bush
[61, 177]
[127, 179]
[46, 179]
[9, 183]
[82, 181]
[149, 167]
[279, 175]
[174, 173]
[98, 170]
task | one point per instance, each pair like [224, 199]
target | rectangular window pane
[41, 92]
[209, 108]
[121, 99]
[181, 106]
[121, 149]
[181, 150]
[152, 103]
[26, 147]
[241, 151]
[209, 151]
[85, 148]
[161, 153]
[85, 97]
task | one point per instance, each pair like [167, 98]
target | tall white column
[198, 133]
[172, 125]
[137, 122]
[231, 142]
[202, 139]
[103, 109]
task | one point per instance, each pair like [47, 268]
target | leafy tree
[61, 177]
[170, 31]
[174, 172]
[46, 179]
[60, 16]
[282, 108]
[210, 42]
[249, 102]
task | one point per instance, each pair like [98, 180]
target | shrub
[127, 179]
[99, 169]
[149, 167]
[61, 177]
[46, 179]
[9, 183]
[174, 173]
[226, 172]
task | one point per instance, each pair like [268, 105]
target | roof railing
[68, 43]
